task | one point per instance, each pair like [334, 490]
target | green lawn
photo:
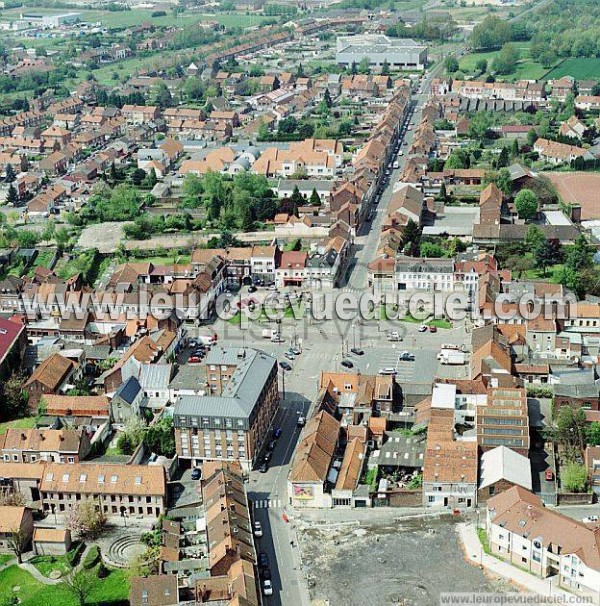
[24, 423]
[439, 323]
[164, 260]
[538, 274]
[527, 69]
[46, 564]
[43, 260]
[114, 588]
[6, 557]
[581, 69]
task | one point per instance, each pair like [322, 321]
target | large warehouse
[400, 53]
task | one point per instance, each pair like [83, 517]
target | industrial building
[400, 53]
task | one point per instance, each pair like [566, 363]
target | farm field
[583, 68]
[123, 19]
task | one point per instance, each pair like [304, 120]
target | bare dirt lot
[406, 563]
[581, 188]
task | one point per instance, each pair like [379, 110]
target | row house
[140, 114]
[135, 490]
[50, 445]
[559, 153]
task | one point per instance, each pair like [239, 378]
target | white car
[422, 328]
[258, 531]
[267, 587]
[590, 520]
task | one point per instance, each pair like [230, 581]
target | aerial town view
[299, 302]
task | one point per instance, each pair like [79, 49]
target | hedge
[92, 557]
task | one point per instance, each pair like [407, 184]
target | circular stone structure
[124, 549]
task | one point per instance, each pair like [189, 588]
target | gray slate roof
[241, 392]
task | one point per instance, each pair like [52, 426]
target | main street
[324, 345]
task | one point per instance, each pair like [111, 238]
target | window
[430, 499]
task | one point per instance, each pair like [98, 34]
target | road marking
[267, 504]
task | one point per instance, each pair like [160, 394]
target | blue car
[277, 432]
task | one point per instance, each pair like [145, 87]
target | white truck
[396, 164]
[453, 357]
[269, 333]
[207, 339]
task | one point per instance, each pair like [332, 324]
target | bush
[102, 571]
[92, 557]
[539, 392]
[574, 477]
[74, 554]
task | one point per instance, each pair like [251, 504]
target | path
[522, 579]
[35, 573]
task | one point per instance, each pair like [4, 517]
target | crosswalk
[404, 370]
[267, 504]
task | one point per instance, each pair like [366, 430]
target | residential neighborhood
[299, 300]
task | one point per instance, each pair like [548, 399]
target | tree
[535, 238]
[315, 199]
[87, 520]
[10, 173]
[150, 179]
[62, 237]
[80, 583]
[327, 98]
[593, 434]
[569, 430]
[491, 33]
[385, 68]
[503, 158]
[161, 96]
[297, 200]
[138, 176]
[580, 255]
[481, 65]
[506, 61]
[514, 148]
[549, 253]
[479, 126]
[13, 398]
[12, 499]
[457, 159]
[18, 541]
[12, 197]
[527, 204]
[532, 137]
[145, 564]
[443, 192]
[504, 182]
[160, 438]
[574, 477]
[411, 238]
[364, 66]
[451, 65]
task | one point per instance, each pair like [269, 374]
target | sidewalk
[522, 579]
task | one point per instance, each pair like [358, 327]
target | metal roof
[241, 393]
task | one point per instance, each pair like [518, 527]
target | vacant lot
[579, 188]
[581, 69]
[410, 562]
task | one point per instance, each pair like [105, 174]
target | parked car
[271, 445]
[285, 365]
[590, 520]
[263, 468]
[347, 364]
[267, 456]
[265, 573]
[433, 329]
[277, 431]
[394, 336]
[549, 475]
[388, 370]
[252, 288]
[289, 356]
[267, 587]
[301, 421]
[423, 328]
[406, 357]
[194, 360]
[258, 531]
[295, 351]
[263, 560]
[196, 473]
[356, 351]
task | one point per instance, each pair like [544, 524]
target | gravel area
[408, 563]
